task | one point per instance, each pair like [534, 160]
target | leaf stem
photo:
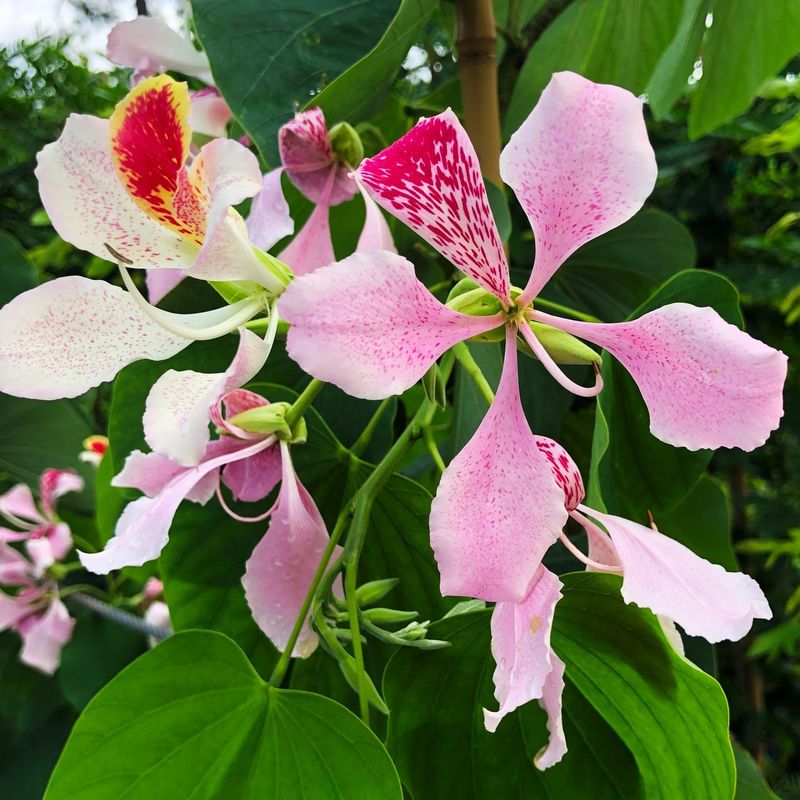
[303, 402]
[472, 369]
[365, 437]
[574, 313]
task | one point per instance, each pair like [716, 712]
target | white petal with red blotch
[269, 220]
[278, 574]
[564, 470]
[312, 247]
[254, 478]
[160, 282]
[55, 483]
[375, 235]
[521, 646]
[143, 529]
[44, 636]
[580, 165]
[431, 180]
[71, 334]
[669, 579]
[149, 45]
[706, 383]
[308, 158]
[89, 207]
[176, 414]
[369, 326]
[210, 113]
[498, 507]
[18, 505]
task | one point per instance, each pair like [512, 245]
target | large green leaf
[750, 783]
[632, 471]
[18, 274]
[269, 58]
[193, 719]
[747, 43]
[610, 41]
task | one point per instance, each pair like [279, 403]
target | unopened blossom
[658, 573]
[156, 610]
[581, 164]
[319, 163]
[123, 187]
[94, 448]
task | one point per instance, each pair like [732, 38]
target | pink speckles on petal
[498, 507]
[369, 326]
[430, 179]
[706, 383]
[564, 469]
[375, 235]
[580, 165]
[68, 335]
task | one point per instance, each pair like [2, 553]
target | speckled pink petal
[68, 335]
[44, 636]
[498, 508]
[564, 470]
[552, 692]
[431, 180]
[210, 113]
[269, 220]
[149, 45]
[143, 529]
[279, 572]
[669, 579]
[580, 165]
[18, 505]
[306, 153]
[521, 646]
[312, 247]
[160, 282]
[89, 207]
[369, 326]
[706, 383]
[254, 478]
[375, 235]
[55, 483]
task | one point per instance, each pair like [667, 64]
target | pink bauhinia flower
[45, 538]
[658, 573]
[124, 185]
[319, 164]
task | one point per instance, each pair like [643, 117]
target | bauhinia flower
[123, 186]
[44, 536]
[319, 163]
[658, 573]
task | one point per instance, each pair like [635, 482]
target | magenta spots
[565, 471]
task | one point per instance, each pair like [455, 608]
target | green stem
[540, 301]
[350, 580]
[474, 371]
[366, 435]
[303, 402]
[430, 444]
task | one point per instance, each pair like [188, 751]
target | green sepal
[233, 291]
[346, 144]
[282, 272]
[563, 347]
[265, 419]
[434, 386]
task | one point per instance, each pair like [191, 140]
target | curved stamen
[232, 317]
[553, 368]
[596, 565]
[238, 517]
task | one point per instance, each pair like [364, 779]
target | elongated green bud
[350, 671]
[373, 591]
[265, 419]
[388, 616]
[563, 347]
[346, 144]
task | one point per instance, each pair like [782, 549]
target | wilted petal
[308, 158]
[521, 646]
[672, 581]
[706, 383]
[312, 247]
[369, 326]
[210, 114]
[176, 414]
[580, 165]
[143, 529]
[55, 483]
[17, 504]
[431, 180]
[269, 220]
[497, 508]
[43, 637]
[89, 206]
[278, 574]
[375, 235]
[255, 477]
[552, 692]
[160, 282]
[149, 45]
[66, 336]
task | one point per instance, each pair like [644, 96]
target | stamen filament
[596, 565]
[238, 517]
[555, 370]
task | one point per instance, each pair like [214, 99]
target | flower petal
[209, 114]
[580, 165]
[55, 483]
[89, 207]
[313, 246]
[253, 478]
[143, 529]
[672, 581]
[17, 504]
[706, 383]
[48, 548]
[15, 569]
[369, 326]
[149, 45]
[160, 282]
[306, 153]
[279, 572]
[176, 414]
[269, 220]
[521, 646]
[12, 609]
[431, 180]
[498, 508]
[564, 470]
[66, 336]
[375, 235]
[552, 692]
[44, 637]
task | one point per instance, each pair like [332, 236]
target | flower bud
[562, 346]
[346, 144]
[265, 419]
[388, 616]
[350, 671]
[375, 590]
